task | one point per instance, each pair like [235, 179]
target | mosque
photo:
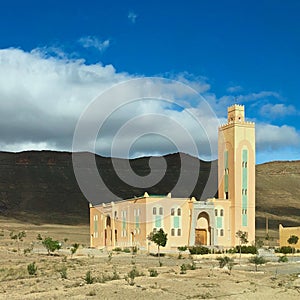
[188, 222]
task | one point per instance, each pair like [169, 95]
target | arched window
[179, 212]
[172, 211]
[221, 212]
[172, 232]
[161, 211]
[154, 210]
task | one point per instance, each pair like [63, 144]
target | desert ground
[61, 275]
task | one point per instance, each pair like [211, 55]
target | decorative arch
[203, 229]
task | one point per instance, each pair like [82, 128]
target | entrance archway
[108, 232]
[202, 230]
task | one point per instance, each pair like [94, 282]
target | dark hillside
[40, 186]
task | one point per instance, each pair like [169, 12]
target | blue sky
[249, 50]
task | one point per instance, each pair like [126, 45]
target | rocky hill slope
[40, 186]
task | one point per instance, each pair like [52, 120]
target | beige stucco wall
[146, 222]
[285, 233]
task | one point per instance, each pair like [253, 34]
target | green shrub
[199, 250]
[74, 248]
[283, 259]
[131, 275]
[51, 245]
[182, 248]
[88, 278]
[117, 249]
[153, 273]
[183, 269]
[63, 272]
[32, 268]
[126, 250]
[257, 260]
[285, 249]
[247, 249]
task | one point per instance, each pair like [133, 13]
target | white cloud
[94, 42]
[132, 16]
[273, 111]
[271, 137]
[42, 98]
[234, 89]
[258, 96]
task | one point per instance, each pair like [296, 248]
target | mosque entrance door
[202, 230]
[201, 237]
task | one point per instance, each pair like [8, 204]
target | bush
[183, 269]
[74, 248]
[182, 248]
[51, 245]
[131, 275]
[199, 250]
[257, 260]
[283, 259]
[285, 249]
[247, 249]
[153, 273]
[223, 261]
[32, 268]
[63, 272]
[117, 249]
[88, 278]
[126, 250]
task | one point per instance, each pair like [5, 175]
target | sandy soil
[207, 281]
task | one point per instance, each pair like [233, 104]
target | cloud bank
[42, 98]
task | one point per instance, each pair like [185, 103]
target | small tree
[293, 240]
[257, 260]
[51, 245]
[18, 237]
[242, 236]
[160, 239]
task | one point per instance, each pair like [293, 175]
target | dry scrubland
[207, 281]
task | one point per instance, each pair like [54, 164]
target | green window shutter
[137, 221]
[176, 222]
[244, 220]
[226, 159]
[158, 221]
[226, 182]
[219, 222]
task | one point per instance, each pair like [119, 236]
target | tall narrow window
[216, 212]
[172, 232]
[172, 211]
[154, 210]
[161, 211]
[179, 212]
[221, 212]
[179, 232]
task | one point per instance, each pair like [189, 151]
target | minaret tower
[236, 170]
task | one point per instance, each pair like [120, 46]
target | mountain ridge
[34, 183]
